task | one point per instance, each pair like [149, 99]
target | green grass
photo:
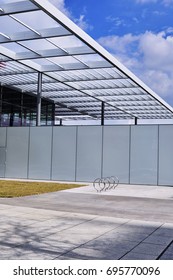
[21, 188]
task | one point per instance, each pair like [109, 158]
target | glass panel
[64, 60]
[2, 137]
[8, 26]
[144, 151]
[64, 153]
[89, 153]
[93, 60]
[40, 20]
[10, 1]
[65, 42]
[19, 109]
[40, 152]
[17, 152]
[2, 161]
[67, 62]
[116, 152]
[39, 45]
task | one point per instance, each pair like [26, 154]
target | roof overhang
[78, 74]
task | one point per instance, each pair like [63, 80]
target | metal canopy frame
[77, 74]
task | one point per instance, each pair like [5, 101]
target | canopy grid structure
[44, 53]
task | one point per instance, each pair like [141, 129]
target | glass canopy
[78, 75]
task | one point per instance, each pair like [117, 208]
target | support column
[136, 120]
[21, 109]
[1, 96]
[60, 122]
[39, 91]
[102, 113]
[11, 116]
[53, 114]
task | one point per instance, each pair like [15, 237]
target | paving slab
[158, 239]
[83, 253]
[137, 256]
[149, 248]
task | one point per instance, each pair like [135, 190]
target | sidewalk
[82, 224]
[157, 192]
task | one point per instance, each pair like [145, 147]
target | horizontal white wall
[141, 154]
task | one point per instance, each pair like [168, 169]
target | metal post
[53, 113]
[136, 120]
[39, 91]
[60, 122]
[11, 116]
[102, 112]
[1, 96]
[21, 109]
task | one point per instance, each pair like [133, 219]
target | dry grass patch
[20, 188]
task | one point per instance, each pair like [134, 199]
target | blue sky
[122, 16]
[139, 33]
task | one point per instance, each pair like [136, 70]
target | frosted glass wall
[3, 136]
[40, 147]
[89, 153]
[141, 154]
[166, 155]
[17, 152]
[2, 151]
[144, 155]
[64, 153]
[116, 141]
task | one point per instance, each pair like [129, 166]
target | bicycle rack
[105, 184]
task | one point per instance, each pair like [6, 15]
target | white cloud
[60, 4]
[148, 55]
[81, 21]
[160, 81]
[116, 20]
[118, 44]
[157, 50]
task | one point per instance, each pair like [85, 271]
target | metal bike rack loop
[105, 184]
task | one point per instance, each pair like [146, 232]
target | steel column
[136, 120]
[39, 92]
[1, 96]
[102, 113]
[53, 114]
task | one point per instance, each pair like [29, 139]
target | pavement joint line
[70, 250]
[50, 234]
[140, 242]
[162, 253]
[67, 228]
[78, 246]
